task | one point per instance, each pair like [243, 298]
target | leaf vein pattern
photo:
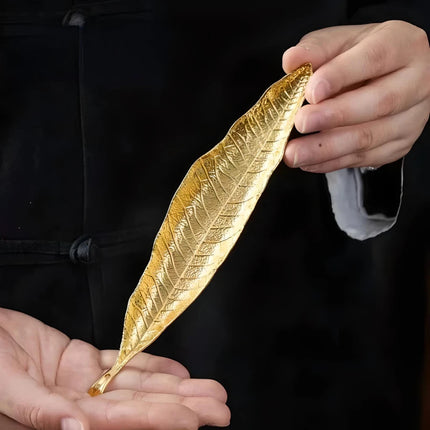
[188, 219]
[216, 169]
[143, 318]
[257, 122]
[273, 106]
[223, 147]
[178, 248]
[205, 240]
[172, 258]
[237, 146]
[228, 176]
[210, 181]
[161, 283]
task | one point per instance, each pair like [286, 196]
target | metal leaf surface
[207, 214]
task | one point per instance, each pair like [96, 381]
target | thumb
[318, 48]
[27, 401]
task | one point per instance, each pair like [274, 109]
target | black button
[83, 250]
[74, 18]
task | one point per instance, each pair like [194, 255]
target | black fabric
[103, 107]
[381, 189]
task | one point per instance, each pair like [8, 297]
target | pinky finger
[108, 414]
[375, 157]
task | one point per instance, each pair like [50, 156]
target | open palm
[45, 377]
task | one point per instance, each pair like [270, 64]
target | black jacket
[104, 106]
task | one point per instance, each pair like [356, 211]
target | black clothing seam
[82, 126]
[91, 9]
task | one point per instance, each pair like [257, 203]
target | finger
[202, 388]
[146, 362]
[334, 143]
[319, 47]
[376, 157]
[153, 410]
[136, 380]
[209, 411]
[110, 414]
[385, 49]
[297, 55]
[26, 401]
[388, 95]
[7, 423]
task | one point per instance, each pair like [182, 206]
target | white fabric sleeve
[346, 191]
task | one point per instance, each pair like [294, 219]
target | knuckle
[417, 36]
[310, 37]
[335, 116]
[308, 41]
[376, 57]
[34, 417]
[387, 104]
[143, 379]
[395, 24]
[316, 41]
[365, 139]
[138, 395]
[30, 415]
[182, 400]
[359, 159]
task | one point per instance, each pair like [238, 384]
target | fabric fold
[346, 189]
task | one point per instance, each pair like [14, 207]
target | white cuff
[346, 190]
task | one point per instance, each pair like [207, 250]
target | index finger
[385, 48]
[321, 46]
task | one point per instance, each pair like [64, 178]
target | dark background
[305, 327]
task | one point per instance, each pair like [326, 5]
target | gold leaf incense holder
[206, 216]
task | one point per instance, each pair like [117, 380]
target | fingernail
[296, 160]
[291, 156]
[310, 169]
[320, 91]
[311, 122]
[71, 424]
[300, 122]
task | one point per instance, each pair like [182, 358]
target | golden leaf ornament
[206, 216]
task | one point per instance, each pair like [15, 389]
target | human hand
[7, 423]
[369, 96]
[45, 377]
